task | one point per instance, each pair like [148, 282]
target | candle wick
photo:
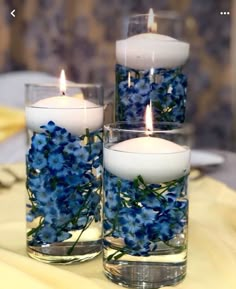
[63, 93]
[149, 132]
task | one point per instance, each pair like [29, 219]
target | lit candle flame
[151, 25]
[63, 82]
[148, 118]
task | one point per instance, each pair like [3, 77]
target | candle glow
[151, 24]
[63, 82]
[148, 119]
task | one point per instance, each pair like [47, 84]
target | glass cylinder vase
[64, 164]
[145, 218]
[149, 67]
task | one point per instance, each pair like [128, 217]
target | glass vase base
[145, 275]
[60, 253]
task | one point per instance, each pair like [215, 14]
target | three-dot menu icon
[224, 13]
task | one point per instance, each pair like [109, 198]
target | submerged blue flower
[128, 219]
[72, 147]
[60, 136]
[56, 161]
[50, 127]
[52, 212]
[82, 155]
[39, 141]
[147, 216]
[42, 195]
[151, 201]
[39, 161]
[73, 179]
[63, 235]
[143, 86]
[47, 235]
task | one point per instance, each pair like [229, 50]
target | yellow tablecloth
[212, 244]
[12, 120]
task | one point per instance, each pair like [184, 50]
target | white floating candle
[155, 159]
[73, 114]
[151, 50]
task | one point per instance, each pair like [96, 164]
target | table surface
[226, 171]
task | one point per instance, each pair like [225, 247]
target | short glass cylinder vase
[145, 218]
[149, 67]
[64, 166]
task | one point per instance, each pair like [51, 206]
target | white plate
[200, 158]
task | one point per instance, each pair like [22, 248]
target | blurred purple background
[47, 35]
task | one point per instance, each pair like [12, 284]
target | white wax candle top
[149, 145]
[155, 159]
[151, 36]
[72, 113]
[151, 50]
[64, 101]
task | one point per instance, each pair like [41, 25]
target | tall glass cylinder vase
[145, 204]
[64, 164]
[149, 67]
